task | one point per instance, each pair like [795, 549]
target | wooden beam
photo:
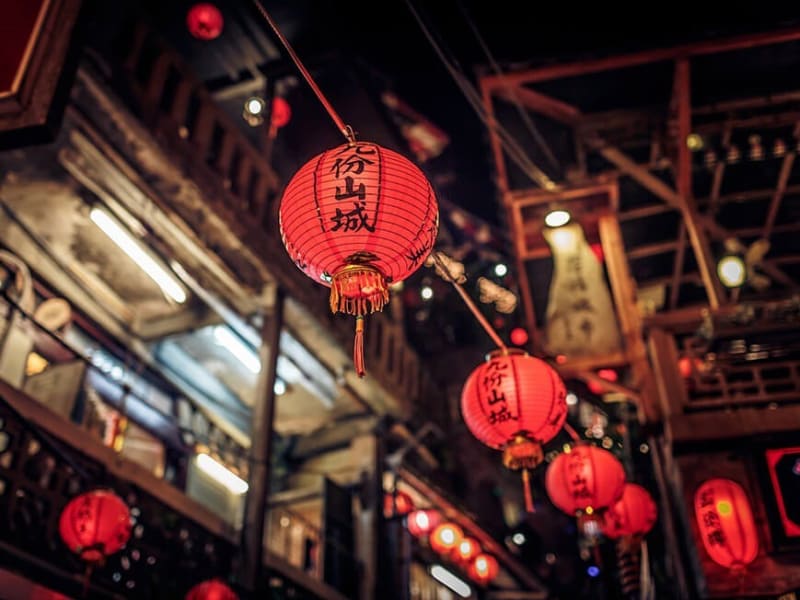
[729, 425]
[677, 267]
[780, 191]
[664, 358]
[682, 95]
[714, 46]
[501, 174]
[540, 103]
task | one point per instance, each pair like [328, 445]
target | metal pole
[261, 448]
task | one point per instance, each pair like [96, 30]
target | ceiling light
[731, 271]
[130, 246]
[224, 337]
[694, 141]
[426, 292]
[254, 105]
[446, 578]
[221, 474]
[518, 538]
[500, 270]
[557, 218]
[572, 399]
[279, 387]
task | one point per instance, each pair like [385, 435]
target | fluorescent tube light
[233, 344]
[446, 578]
[137, 253]
[221, 474]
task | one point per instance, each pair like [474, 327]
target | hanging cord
[523, 114]
[510, 145]
[468, 301]
[345, 130]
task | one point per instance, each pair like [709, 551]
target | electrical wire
[510, 145]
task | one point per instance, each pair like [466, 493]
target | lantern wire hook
[345, 130]
[468, 301]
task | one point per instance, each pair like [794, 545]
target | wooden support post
[664, 358]
[261, 448]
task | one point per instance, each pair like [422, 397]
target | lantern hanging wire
[345, 130]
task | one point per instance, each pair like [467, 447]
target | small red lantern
[467, 549]
[358, 218]
[421, 522]
[484, 568]
[213, 589]
[204, 21]
[280, 113]
[95, 525]
[634, 514]
[584, 481]
[608, 375]
[515, 403]
[446, 537]
[726, 523]
[518, 336]
[397, 504]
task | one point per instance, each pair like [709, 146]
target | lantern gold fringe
[523, 453]
[360, 278]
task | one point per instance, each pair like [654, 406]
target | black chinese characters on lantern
[358, 218]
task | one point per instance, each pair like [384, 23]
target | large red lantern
[205, 21]
[397, 504]
[213, 589]
[584, 481]
[634, 514]
[358, 218]
[95, 525]
[421, 522]
[483, 568]
[515, 403]
[726, 523]
[446, 538]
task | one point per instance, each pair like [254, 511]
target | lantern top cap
[505, 352]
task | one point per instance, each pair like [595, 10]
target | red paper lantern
[281, 112]
[518, 336]
[584, 481]
[515, 403]
[421, 522]
[484, 568]
[726, 523]
[634, 514]
[204, 21]
[446, 537]
[467, 549]
[95, 525]
[213, 589]
[397, 504]
[358, 218]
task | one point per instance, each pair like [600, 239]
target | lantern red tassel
[358, 218]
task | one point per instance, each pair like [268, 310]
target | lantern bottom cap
[522, 453]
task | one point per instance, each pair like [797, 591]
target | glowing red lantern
[467, 549]
[634, 514]
[515, 403]
[726, 523]
[421, 522]
[584, 481]
[397, 504]
[358, 218]
[204, 21]
[446, 537]
[95, 525]
[518, 336]
[608, 375]
[213, 589]
[484, 568]
[280, 113]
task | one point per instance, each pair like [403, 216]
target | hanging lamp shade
[515, 403]
[583, 482]
[397, 504]
[634, 514]
[446, 537]
[483, 569]
[726, 523]
[358, 218]
[95, 525]
[213, 589]
[421, 522]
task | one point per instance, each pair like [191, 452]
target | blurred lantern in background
[608, 375]
[725, 523]
[213, 589]
[421, 522]
[95, 525]
[583, 482]
[445, 538]
[205, 21]
[484, 568]
[358, 218]
[397, 504]
[280, 113]
[515, 403]
[466, 550]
